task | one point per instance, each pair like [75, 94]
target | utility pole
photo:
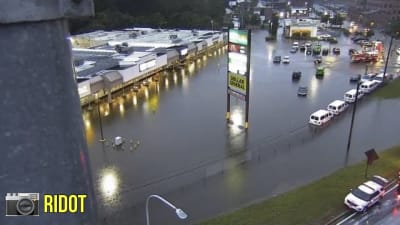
[354, 113]
[387, 57]
[42, 138]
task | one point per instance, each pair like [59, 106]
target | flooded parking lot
[179, 145]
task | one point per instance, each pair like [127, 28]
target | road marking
[347, 218]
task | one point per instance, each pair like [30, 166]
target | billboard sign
[237, 83]
[238, 37]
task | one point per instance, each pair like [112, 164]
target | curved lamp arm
[179, 212]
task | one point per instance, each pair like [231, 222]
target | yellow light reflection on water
[166, 83]
[175, 78]
[158, 87]
[109, 184]
[191, 68]
[89, 131]
[146, 93]
[121, 108]
[153, 103]
[134, 99]
[183, 72]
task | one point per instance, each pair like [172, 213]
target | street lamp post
[102, 139]
[353, 115]
[179, 212]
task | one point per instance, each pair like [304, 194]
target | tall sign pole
[246, 124]
[238, 74]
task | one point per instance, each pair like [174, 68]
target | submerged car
[277, 59]
[317, 59]
[286, 59]
[355, 78]
[293, 50]
[320, 72]
[336, 51]
[302, 91]
[296, 75]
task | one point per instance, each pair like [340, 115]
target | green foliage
[336, 20]
[392, 90]
[255, 20]
[324, 18]
[370, 33]
[274, 24]
[116, 14]
[314, 203]
[346, 32]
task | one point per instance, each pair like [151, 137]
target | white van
[320, 117]
[337, 106]
[350, 96]
[368, 86]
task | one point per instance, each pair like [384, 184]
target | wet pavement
[180, 146]
[386, 212]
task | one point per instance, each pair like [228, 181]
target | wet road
[180, 146]
[384, 213]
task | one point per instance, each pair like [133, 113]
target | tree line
[184, 14]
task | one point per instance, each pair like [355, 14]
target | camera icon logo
[22, 204]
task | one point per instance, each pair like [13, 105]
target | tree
[115, 14]
[255, 20]
[274, 24]
[324, 18]
[337, 20]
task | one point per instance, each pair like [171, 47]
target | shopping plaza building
[106, 62]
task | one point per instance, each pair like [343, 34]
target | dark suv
[277, 59]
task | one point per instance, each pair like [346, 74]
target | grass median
[315, 203]
[391, 90]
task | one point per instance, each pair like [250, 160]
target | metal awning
[96, 84]
[112, 79]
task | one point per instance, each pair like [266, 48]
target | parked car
[286, 59]
[359, 39]
[296, 75]
[352, 51]
[317, 59]
[302, 48]
[355, 78]
[277, 59]
[319, 73]
[302, 91]
[336, 51]
[366, 194]
[293, 50]
[325, 51]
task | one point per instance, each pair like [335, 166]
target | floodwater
[179, 145]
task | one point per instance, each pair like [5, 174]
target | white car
[366, 195]
[286, 59]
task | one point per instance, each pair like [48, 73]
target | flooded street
[179, 145]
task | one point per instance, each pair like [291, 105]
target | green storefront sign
[238, 37]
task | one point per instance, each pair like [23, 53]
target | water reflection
[109, 185]
[313, 88]
[134, 100]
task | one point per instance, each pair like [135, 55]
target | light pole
[102, 139]
[353, 115]
[179, 212]
[212, 26]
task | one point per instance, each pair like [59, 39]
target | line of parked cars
[336, 107]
